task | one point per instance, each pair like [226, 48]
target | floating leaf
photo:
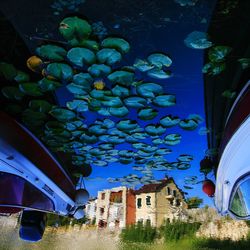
[218, 53]
[12, 93]
[109, 56]
[159, 60]
[172, 139]
[48, 85]
[203, 131]
[100, 163]
[126, 125]
[60, 71]
[77, 89]
[112, 101]
[188, 124]
[21, 77]
[143, 65]
[135, 102]
[98, 70]
[74, 28]
[62, 114]
[245, 62]
[198, 40]
[213, 68]
[169, 121]
[122, 77]
[81, 56]
[32, 118]
[83, 79]
[159, 73]
[185, 158]
[31, 89]
[8, 71]
[147, 114]
[149, 90]
[78, 105]
[119, 112]
[120, 91]
[164, 100]
[229, 94]
[89, 139]
[116, 43]
[196, 118]
[155, 129]
[40, 106]
[51, 52]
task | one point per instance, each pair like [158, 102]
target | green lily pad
[62, 114]
[172, 139]
[122, 77]
[83, 79]
[147, 114]
[143, 65]
[33, 119]
[60, 71]
[8, 71]
[198, 40]
[159, 60]
[31, 89]
[81, 56]
[164, 100]
[78, 89]
[78, 105]
[213, 69]
[74, 28]
[159, 73]
[116, 43]
[86, 43]
[169, 121]
[153, 129]
[51, 52]
[185, 158]
[218, 53]
[48, 85]
[120, 91]
[98, 70]
[135, 102]
[21, 77]
[188, 124]
[12, 93]
[119, 112]
[112, 101]
[126, 125]
[229, 94]
[149, 90]
[40, 106]
[196, 117]
[245, 62]
[108, 56]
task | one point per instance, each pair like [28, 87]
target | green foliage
[178, 230]
[139, 233]
[194, 202]
[56, 220]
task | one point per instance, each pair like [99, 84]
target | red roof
[151, 188]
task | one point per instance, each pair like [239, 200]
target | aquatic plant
[89, 70]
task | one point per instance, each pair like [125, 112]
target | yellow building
[158, 202]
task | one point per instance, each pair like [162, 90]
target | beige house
[90, 210]
[158, 202]
[111, 208]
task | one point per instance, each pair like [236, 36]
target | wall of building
[168, 206]
[131, 208]
[90, 210]
[146, 212]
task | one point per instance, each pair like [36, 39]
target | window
[101, 210]
[139, 203]
[148, 200]
[174, 193]
[168, 191]
[103, 196]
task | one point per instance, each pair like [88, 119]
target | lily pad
[98, 70]
[112, 101]
[21, 77]
[51, 52]
[31, 89]
[196, 117]
[122, 77]
[164, 100]
[40, 106]
[78, 89]
[245, 62]
[147, 113]
[218, 53]
[33, 119]
[159, 60]
[60, 71]
[155, 129]
[82, 79]
[172, 139]
[185, 158]
[213, 69]
[12, 93]
[48, 85]
[143, 65]
[8, 71]
[116, 43]
[135, 102]
[78, 105]
[108, 56]
[188, 124]
[120, 91]
[169, 121]
[198, 40]
[62, 114]
[119, 112]
[100, 163]
[159, 73]
[126, 125]
[81, 56]
[149, 90]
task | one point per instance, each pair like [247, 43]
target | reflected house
[115, 208]
[90, 210]
[158, 202]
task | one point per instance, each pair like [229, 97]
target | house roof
[151, 188]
